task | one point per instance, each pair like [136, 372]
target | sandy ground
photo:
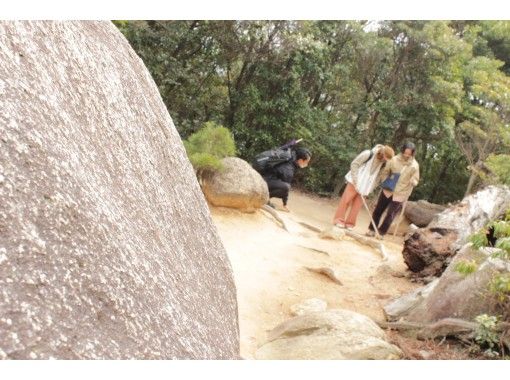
[268, 264]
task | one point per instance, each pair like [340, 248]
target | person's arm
[415, 179]
[285, 172]
[357, 163]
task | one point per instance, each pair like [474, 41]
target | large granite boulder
[403, 305]
[332, 334]
[238, 186]
[107, 248]
[462, 296]
[421, 213]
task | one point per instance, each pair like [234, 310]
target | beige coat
[409, 176]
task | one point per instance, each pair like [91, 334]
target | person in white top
[362, 179]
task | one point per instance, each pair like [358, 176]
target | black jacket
[284, 172]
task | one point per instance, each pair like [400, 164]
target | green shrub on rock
[208, 146]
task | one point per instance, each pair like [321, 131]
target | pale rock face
[333, 233]
[332, 334]
[462, 296]
[308, 306]
[107, 248]
[238, 186]
[403, 305]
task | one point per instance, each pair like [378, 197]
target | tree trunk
[470, 183]
[371, 127]
[400, 134]
[429, 250]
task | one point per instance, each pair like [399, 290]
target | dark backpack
[270, 158]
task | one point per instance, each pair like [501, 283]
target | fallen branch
[275, 215]
[328, 272]
[368, 241]
[447, 327]
[310, 227]
[403, 325]
[314, 249]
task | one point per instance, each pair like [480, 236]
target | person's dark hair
[409, 145]
[302, 154]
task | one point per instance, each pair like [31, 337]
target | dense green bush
[208, 146]
[342, 87]
[499, 285]
[500, 165]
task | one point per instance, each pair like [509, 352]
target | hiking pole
[370, 214]
[291, 143]
[400, 218]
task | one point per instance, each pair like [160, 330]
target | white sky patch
[255, 10]
[372, 26]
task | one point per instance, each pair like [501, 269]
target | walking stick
[400, 218]
[370, 214]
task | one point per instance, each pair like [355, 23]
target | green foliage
[343, 89]
[205, 162]
[501, 228]
[500, 286]
[208, 146]
[479, 239]
[504, 245]
[486, 335]
[466, 267]
[499, 164]
[501, 233]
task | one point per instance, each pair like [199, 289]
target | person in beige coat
[401, 175]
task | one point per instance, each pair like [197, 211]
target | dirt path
[269, 262]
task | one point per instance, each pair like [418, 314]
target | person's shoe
[350, 228]
[379, 237]
[339, 225]
[370, 233]
[285, 208]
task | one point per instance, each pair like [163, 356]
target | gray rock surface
[332, 334]
[107, 248]
[402, 306]
[238, 186]
[422, 212]
[463, 296]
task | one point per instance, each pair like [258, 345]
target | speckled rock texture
[463, 296]
[107, 248]
[328, 335]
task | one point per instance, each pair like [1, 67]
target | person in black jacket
[280, 177]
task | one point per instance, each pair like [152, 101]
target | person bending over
[279, 177]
